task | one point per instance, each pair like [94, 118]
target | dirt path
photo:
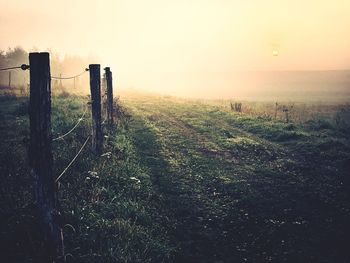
[184, 201]
[223, 200]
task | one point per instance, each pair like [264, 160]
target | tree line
[60, 66]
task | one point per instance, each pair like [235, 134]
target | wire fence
[40, 115]
[73, 160]
[74, 127]
[72, 77]
[25, 67]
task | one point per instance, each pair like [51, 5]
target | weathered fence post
[104, 96]
[238, 107]
[276, 108]
[286, 111]
[95, 89]
[40, 155]
[109, 96]
[9, 79]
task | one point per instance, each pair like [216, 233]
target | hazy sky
[143, 38]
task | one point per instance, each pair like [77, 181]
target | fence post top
[107, 69]
[39, 53]
[94, 65]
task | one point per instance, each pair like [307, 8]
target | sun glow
[148, 43]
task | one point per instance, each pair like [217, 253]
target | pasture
[186, 181]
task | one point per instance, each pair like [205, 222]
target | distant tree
[17, 56]
[2, 59]
[68, 66]
[14, 57]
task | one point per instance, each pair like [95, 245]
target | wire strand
[10, 68]
[23, 67]
[71, 130]
[85, 70]
[72, 161]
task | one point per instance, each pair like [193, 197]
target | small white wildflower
[107, 154]
[136, 180]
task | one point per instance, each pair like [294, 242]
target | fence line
[72, 161]
[40, 155]
[73, 77]
[74, 127]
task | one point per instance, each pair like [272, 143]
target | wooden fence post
[286, 111]
[104, 96]
[109, 96]
[95, 89]
[40, 155]
[9, 79]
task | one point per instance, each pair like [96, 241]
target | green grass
[248, 187]
[106, 200]
[184, 181]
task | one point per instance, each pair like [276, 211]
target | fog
[323, 86]
[212, 49]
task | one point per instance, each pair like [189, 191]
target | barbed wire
[78, 75]
[72, 161]
[75, 126]
[23, 67]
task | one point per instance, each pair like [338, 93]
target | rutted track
[224, 202]
[205, 143]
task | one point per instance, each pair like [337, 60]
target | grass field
[185, 181]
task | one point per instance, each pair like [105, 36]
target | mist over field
[327, 86]
[229, 49]
[162, 131]
[323, 86]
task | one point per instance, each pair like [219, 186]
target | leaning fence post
[95, 89]
[109, 96]
[40, 155]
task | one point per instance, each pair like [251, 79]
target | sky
[143, 40]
